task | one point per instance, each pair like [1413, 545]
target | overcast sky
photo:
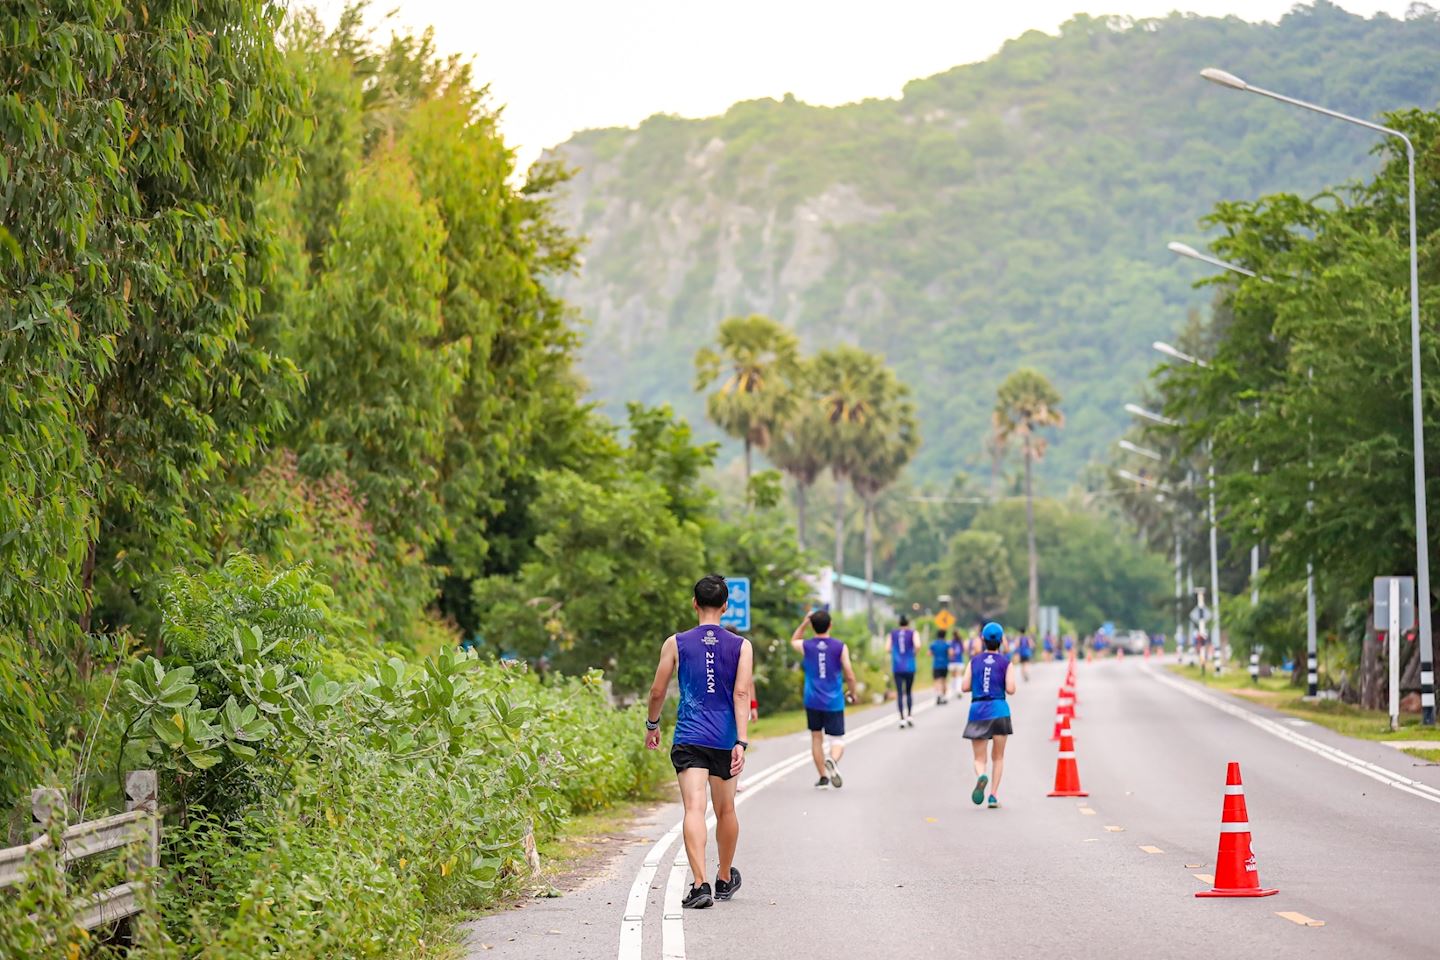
[567, 65]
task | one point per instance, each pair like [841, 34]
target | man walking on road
[988, 676]
[902, 665]
[715, 669]
[825, 660]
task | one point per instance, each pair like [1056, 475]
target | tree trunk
[800, 492]
[87, 595]
[1030, 540]
[870, 564]
[839, 544]
[747, 468]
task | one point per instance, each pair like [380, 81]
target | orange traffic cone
[1067, 774]
[1235, 872]
[1064, 712]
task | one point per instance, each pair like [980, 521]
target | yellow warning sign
[944, 620]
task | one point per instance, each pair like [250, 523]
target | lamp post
[1138, 411]
[1149, 454]
[1312, 653]
[1422, 528]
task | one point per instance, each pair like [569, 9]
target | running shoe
[834, 772]
[698, 898]
[977, 796]
[994, 803]
[909, 721]
[723, 890]
[823, 782]
[902, 724]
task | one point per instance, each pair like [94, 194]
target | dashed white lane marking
[1150, 849]
[672, 933]
[1363, 767]
[1300, 918]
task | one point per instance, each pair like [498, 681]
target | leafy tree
[1025, 404]
[753, 360]
[887, 447]
[977, 575]
[797, 444]
[381, 378]
[852, 385]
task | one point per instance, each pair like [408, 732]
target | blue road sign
[737, 616]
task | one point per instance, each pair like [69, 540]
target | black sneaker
[698, 898]
[823, 782]
[723, 890]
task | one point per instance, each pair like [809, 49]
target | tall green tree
[887, 445]
[851, 384]
[753, 363]
[977, 575]
[1025, 404]
[797, 444]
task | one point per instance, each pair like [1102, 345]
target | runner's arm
[965, 680]
[664, 670]
[744, 679]
[1010, 682]
[797, 639]
[849, 671]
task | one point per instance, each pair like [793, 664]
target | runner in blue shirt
[940, 663]
[957, 662]
[902, 664]
[1026, 649]
[988, 678]
[825, 660]
[715, 668]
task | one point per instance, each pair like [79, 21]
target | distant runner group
[714, 670]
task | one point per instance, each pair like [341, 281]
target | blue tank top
[940, 653]
[902, 651]
[987, 675]
[824, 677]
[709, 656]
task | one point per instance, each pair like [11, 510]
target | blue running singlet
[902, 650]
[709, 656]
[987, 685]
[940, 653]
[824, 677]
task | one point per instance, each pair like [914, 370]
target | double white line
[1335, 755]
[672, 922]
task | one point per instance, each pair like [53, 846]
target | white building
[852, 595]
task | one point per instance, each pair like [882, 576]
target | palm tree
[754, 362]
[886, 446]
[848, 379]
[797, 443]
[1026, 403]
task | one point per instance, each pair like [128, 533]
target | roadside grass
[1431, 756]
[1278, 693]
[777, 724]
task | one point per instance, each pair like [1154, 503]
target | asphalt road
[899, 863]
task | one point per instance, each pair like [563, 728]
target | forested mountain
[1002, 213]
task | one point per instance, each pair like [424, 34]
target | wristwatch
[652, 724]
[743, 743]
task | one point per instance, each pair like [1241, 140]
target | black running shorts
[688, 756]
[940, 673]
[832, 722]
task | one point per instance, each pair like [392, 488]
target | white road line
[672, 932]
[1364, 767]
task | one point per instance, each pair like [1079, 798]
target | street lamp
[1422, 527]
[1312, 652]
[1138, 450]
[1140, 411]
[1176, 354]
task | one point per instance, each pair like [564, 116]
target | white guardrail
[138, 828]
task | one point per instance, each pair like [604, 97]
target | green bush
[321, 817]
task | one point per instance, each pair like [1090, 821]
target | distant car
[1132, 641]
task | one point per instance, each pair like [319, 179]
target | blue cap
[992, 631]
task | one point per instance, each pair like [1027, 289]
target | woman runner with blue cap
[988, 680]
